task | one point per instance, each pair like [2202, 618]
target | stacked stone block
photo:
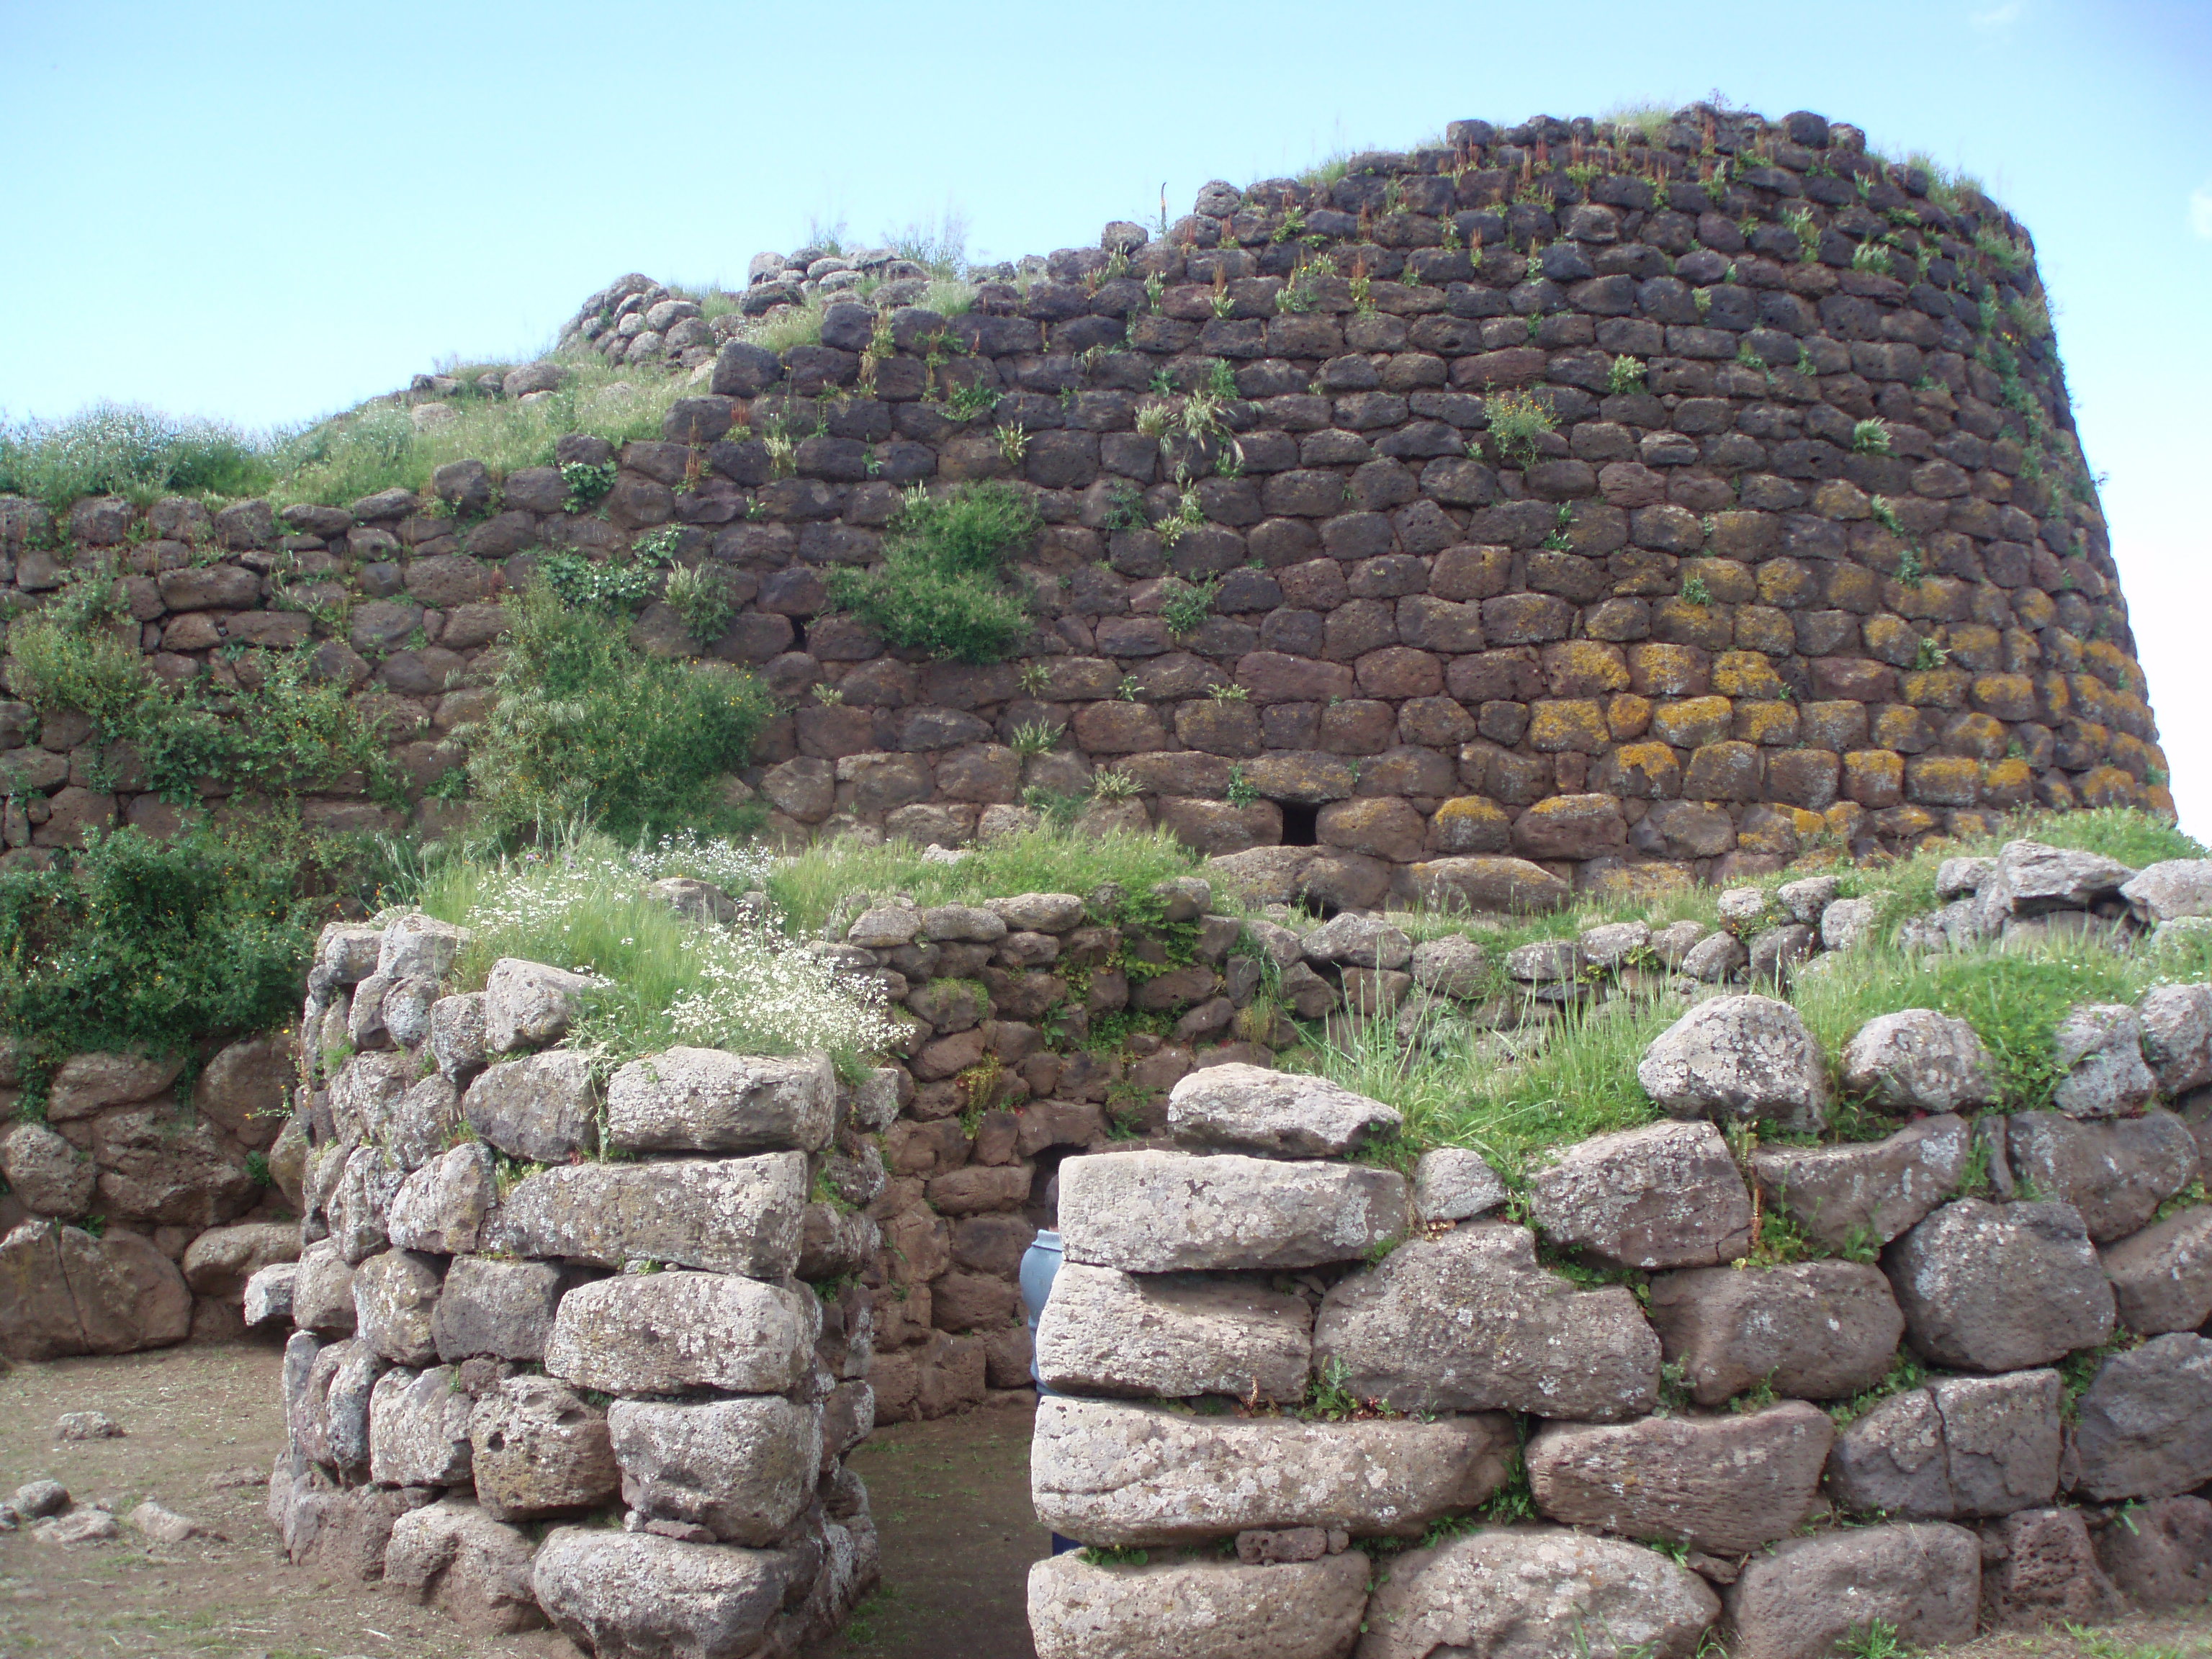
[568, 1356]
[1809, 548]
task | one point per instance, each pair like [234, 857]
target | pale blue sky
[265, 212]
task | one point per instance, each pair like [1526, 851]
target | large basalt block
[1250, 1109]
[1483, 885]
[1963, 1446]
[501, 1309]
[2145, 1425]
[1813, 1330]
[1922, 1580]
[703, 1100]
[741, 1469]
[1739, 1058]
[739, 1215]
[2162, 1276]
[1110, 1473]
[1170, 1212]
[453, 1556]
[668, 1332]
[1918, 1060]
[2115, 1174]
[1469, 1321]
[2041, 1569]
[418, 1429]
[1665, 1196]
[1865, 1192]
[1538, 1593]
[2160, 1558]
[536, 1448]
[64, 1291]
[1990, 1287]
[394, 1296]
[1197, 1609]
[442, 1207]
[539, 1109]
[528, 1004]
[1107, 1332]
[635, 1596]
[1725, 1485]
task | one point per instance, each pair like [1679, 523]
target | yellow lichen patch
[1978, 735]
[1874, 777]
[2008, 783]
[1573, 725]
[1627, 715]
[2008, 697]
[1643, 771]
[1774, 724]
[1944, 780]
[1693, 722]
[1934, 688]
[1669, 671]
[1891, 639]
[1839, 498]
[1745, 674]
[1584, 668]
[2107, 786]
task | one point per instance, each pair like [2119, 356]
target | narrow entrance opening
[1299, 818]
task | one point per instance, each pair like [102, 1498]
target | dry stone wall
[565, 1355]
[1300, 1403]
[1600, 498]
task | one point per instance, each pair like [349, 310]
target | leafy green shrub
[942, 586]
[1517, 419]
[280, 730]
[145, 943]
[587, 728]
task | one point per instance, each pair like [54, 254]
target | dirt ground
[202, 1427]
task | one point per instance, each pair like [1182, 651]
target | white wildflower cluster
[733, 866]
[759, 990]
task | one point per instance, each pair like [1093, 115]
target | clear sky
[265, 212]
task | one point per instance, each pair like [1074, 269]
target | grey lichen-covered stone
[1537, 1593]
[361, 1208]
[455, 1556]
[1922, 1579]
[1963, 1446]
[537, 1450]
[633, 1596]
[876, 1100]
[2031, 879]
[2115, 1174]
[738, 1215]
[1726, 1485]
[419, 947]
[2099, 1049]
[1251, 1108]
[1451, 967]
[1714, 957]
[1846, 924]
[1108, 1332]
[667, 1332]
[967, 924]
[1197, 1609]
[424, 1120]
[884, 928]
[221, 1260]
[703, 1100]
[1469, 1321]
[1543, 962]
[393, 1296]
[367, 1092]
[1813, 1330]
[2171, 889]
[1039, 913]
[539, 1109]
[322, 1295]
[2177, 1037]
[697, 901]
[1172, 1213]
[348, 951]
[443, 1207]
[528, 1005]
[1865, 1192]
[1664, 1197]
[1453, 1183]
[268, 1295]
[2162, 1276]
[741, 1469]
[503, 1309]
[1918, 1060]
[2144, 1426]
[1612, 944]
[457, 1035]
[84, 1085]
[1356, 941]
[418, 1429]
[1738, 1058]
[1107, 1472]
[51, 1176]
[834, 1243]
[330, 1423]
[2161, 1556]
[1990, 1287]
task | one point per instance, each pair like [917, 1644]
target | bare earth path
[950, 1497]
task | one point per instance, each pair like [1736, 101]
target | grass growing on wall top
[808, 887]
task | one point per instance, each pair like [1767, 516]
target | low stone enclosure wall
[1593, 496]
[1303, 1405]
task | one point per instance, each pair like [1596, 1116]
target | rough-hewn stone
[1108, 1332]
[741, 1215]
[1865, 1192]
[1962, 1446]
[2144, 1428]
[741, 1469]
[1666, 1196]
[670, 1331]
[1250, 1109]
[1167, 1213]
[1197, 1609]
[703, 1100]
[1814, 1330]
[1734, 1057]
[1922, 1580]
[2000, 1287]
